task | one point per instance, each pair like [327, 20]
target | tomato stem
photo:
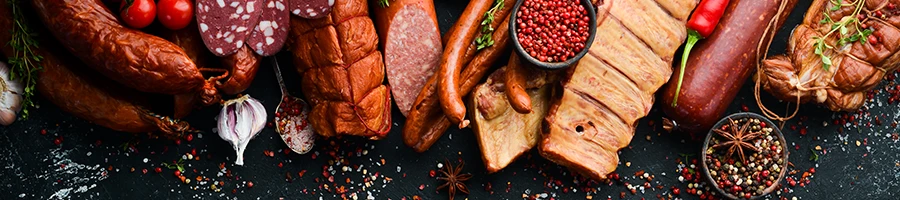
[693, 37]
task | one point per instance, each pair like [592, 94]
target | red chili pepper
[702, 23]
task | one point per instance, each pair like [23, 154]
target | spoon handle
[284, 91]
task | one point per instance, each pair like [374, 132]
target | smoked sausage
[519, 99]
[464, 32]
[720, 64]
[426, 121]
[64, 81]
[241, 67]
[412, 47]
[133, 58]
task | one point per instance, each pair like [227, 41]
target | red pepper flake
[301, 173]
[177, 173]
[676, 191]
[280, 164]
[189, 137]
[158, 170]
[144, 170]
[58, 140]
[43, 131]
[250, 184]
[431, 173]
[421, 187]
[803, 131]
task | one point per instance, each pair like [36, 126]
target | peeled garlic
[10, 96]
[240, 120]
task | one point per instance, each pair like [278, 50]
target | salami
[270, 33]
[311, 9]
[412, 47]
[226, 24]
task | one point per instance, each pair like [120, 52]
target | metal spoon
[290, 119]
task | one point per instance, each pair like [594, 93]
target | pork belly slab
[596, 109]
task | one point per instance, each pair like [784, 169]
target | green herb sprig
[841, 27]
[384, 3]
[177, 165]
[814, 156]
[487, 32]
[25, 62]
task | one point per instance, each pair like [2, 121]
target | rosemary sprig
[841, 27]
[384, 3]
[25, 62]
[487, 32]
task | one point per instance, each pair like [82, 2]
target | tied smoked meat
[857, 67]
[595, 112]
[342, 72]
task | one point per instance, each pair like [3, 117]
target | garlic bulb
[10, 96]
[240, 120]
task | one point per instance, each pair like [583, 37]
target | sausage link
[65, 82]
[729, 52]
[242, 67]
[426, 121]
[133, 58]
[466, 29]
[518, 98]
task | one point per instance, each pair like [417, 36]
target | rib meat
[602, 98]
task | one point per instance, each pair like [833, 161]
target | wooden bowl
[592, 31]
[737, 116]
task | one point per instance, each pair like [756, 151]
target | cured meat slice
[504, 134]
[409, 33]
[680, 9]
[225, 24]
[604, 95]
[342, 72]
[270, 33]
[311, 9]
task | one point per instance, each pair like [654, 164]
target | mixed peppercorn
[745, 176]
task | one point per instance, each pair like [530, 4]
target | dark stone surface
[33, 167]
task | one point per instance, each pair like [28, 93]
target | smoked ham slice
[596, 109]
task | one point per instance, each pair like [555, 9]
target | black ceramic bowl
[592, 30]
[706, 145]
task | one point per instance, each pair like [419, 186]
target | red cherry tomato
[138, 13]
[175, 14]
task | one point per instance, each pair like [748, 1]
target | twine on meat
[762, 55]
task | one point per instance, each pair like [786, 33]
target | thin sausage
[518, 98]
[65, 82]
[133, 58]
[466, 29]
[720, 65]
[426, 121]
[242, 67]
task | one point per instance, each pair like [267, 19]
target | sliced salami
[311, 9]
[269, 35]
[226, 24]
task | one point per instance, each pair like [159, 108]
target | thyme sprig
[25, 62]
[841, 27]
[384, 3]
[487, 32]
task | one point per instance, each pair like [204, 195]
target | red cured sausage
[311, 9]
[225, 25]
[464, 32]
[271, 32]
[411, 41]
[64, 82]
[720, 65]
[242, 67]
[133, 58]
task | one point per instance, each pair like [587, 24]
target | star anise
[454, 179]
[737, 139]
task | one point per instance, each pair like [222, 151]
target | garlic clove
[239, 121]
[10, 96]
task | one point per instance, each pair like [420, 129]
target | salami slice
[226, 24]
[311, 9]
[269, 35]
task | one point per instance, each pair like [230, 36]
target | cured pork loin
[856, 68]
[595, 112]
[342, 71]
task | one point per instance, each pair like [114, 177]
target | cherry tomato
[138, 13]
[175, 14]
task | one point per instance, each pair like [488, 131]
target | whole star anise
[737, 139]
[454, 179]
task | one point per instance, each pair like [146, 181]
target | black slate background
[32, 165]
